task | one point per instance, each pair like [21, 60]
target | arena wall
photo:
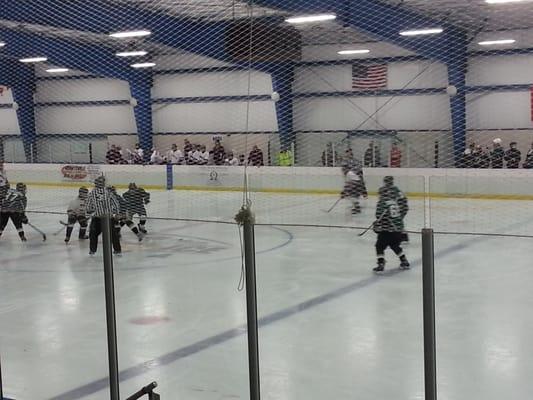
[470, 183]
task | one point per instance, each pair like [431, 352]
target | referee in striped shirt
[102, 202]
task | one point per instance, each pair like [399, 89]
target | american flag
[369, 77]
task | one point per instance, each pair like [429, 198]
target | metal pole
[251, 303]
[109, 283]
[428, 289]
[1, 384]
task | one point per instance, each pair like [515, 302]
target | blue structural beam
[104, 17]
[84, 57]
[141, 88]
[21, 79]
[282, 83]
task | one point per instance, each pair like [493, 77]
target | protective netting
[209, 105]
[231, 83]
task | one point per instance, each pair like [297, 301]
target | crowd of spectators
[475, 156]
[191, 154]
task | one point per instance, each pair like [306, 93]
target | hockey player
[124, 217]
[391, 210]
[77, 213]
[354, 187]
[136, 198]
[14, 207]
[101, 203]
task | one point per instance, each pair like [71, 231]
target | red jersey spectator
[395, 157]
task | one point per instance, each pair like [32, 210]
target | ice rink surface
[329, 328]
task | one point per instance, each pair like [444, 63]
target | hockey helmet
[100, 181]
[388, 180]
[21, 187]
[132, 186]
[83, 192]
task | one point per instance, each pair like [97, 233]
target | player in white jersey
[77, 212]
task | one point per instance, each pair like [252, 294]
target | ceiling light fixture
[144, 65]
[496, 42]
[349, 52]
[2, 44]
[304, 19]
[56, 70]
[130, 34]
[138, 53]
[417, 32]
[33, 59]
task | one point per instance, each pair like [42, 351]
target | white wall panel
[422, 74]
[499, 110]
[415, 112]
[104, 119]
[82, 90]
[8, 121]
[215, 117]
[500, 70]
[211, 84]
[333, 113]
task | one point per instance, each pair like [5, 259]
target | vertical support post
[170, 177]
[282, 82]
[246, 219]
[141, 91]
[428, 288]
[109, 284]
[90, 153]
[1, 383]
[23, 92]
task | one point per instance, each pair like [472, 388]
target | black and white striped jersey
[102, 202]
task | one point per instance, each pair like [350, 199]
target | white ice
[330, 328]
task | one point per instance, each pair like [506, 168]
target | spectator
[528, 163]
[121, 159]
[187, 147]
[137, 155]
[255, 157]
[348, 158]
[112, 155]
[242, 159]
[512, 156]
[204, 155]
[497, 154]
[468, 156]
[218, 153]
[174, 155]
[395, 156]
[232, 160]
[372, 156]
[483, 158]
[285, 158]
[156, 158]
[196, 155]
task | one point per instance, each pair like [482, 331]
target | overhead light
[503, 1]
[416, 32]
[496, 42]
[310, 18]
[138, 53]
[33, 59]
[2, 44]
[130, 34]
[348, 52]
[144, 65]
[57, 70]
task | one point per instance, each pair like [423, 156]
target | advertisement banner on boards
[80, 173]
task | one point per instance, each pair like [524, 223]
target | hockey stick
[59, 231]
[334, 205]
[373, 223]
[38, 230]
